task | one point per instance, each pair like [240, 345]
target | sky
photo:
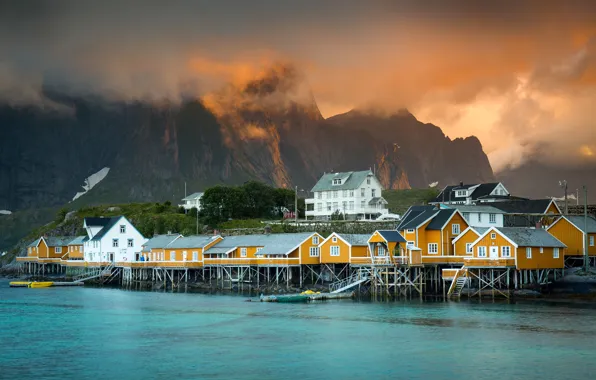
[520, 75]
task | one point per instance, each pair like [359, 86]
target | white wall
[473, 220]
[123, 252]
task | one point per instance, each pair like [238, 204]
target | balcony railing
[488, 262]
[432, 259]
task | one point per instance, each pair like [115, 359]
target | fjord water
[99, 333]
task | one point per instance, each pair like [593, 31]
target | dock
[301, 297]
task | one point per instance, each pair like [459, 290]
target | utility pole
[296, 206]
[563, 184]
[197, 220]
[586, 257]
[577, 196]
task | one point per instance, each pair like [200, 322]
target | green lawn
[400, 200]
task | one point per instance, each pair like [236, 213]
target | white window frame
[58, 249]
[334, 239]
[345, 193]
[335, 193]
[541, 249]
[243, 252]
[528, 252]
[410, 231]
[115, 243]
[259, 249]
[381, 251]
[466, 216]
[410, 244]
[351, 205]
[479, 217]
[195, 255]
[492, 218]
[455, 229]
[130, 243]
[319, 195]
[482, 251]
[368, 180]
[433, 248]
[123, 228]
[493, 236]
[172, 255]
[591, 239]
[362, 191]
[469, 248]
[555, 253]
[334, 251]
[313, 252]
[362, 204]
[505, 251]
[315, 240]
[373, 192]
[351, 193]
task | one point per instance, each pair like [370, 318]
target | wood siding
[325, 252]
[540, 260]
[570, 236]
[305, 250]
[459, 248]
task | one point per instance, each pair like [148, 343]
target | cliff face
[269, 129]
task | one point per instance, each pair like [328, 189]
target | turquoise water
[81, 333]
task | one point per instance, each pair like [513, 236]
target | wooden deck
[472, 262]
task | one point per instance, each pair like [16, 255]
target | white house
[111, 240]
[472, 194]
[356, 195]
[481, 215]
[192, 201]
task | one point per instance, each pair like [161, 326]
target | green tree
[260, 199]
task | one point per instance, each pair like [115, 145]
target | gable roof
[79, 240]
[193, 196]
[391, 236]
[159, 241]
[578, 221]
[34, 243]
[280, 244]
[196, 241]
[106, 227]
[412, 213]
[479, 231]
[530, 237]
[527, 206]
[58, 241]
[96, 222]
[351, 180]
[440, 219]
[478, 208]
[420, 219]
[350, 239]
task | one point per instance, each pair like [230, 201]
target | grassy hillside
[400, 200]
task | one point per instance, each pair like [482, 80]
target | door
[494, 252]
[111, 257]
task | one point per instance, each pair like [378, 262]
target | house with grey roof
[481, 215]
[578, 232]
[466, 194]
[355, 195]
[192, 201]
[113, 239]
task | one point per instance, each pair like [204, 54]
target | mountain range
[269, 129]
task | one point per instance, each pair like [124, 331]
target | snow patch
[91, 181]
[5, 212]
[434, 184]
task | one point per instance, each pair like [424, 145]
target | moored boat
[41, 284]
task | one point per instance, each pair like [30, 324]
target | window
[410, 230]
[492, 218]
[337, 181]
[184, 255]
[122, 229]
[541, 249]
[592, 241]
[555, 253]
[131, 243]
[461, 193]
[328, 204]
[242, 252]
[381, 251]
[351, 193]
[469, 248]
[351, 205]
[314, 252]
[372, 192]
[259, 249]
[362, 204]
[115, 243]
[455, 229]
[172, 255]
[528, 252]
[433, 248]
[335, 193]
[493, 236]
[334, 250]
[506, 251]
[368, 180]
[479, 217]
[410, 244]
[319, 207]
[58, 249]
[315, 240]
[29, 250]
[335, 206]
[344, 205]
[466, 215]
[482, 251]
[334, 239]
[345, 193]
[362, 192]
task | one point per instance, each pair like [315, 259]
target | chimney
[461, 184]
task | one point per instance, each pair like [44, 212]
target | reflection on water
[67, 333]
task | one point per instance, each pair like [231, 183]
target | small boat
[292, 298]
[42, 284]
[19, 284]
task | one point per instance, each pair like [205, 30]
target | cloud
[519, 75]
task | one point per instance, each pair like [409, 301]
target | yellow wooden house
[462, 245]
[239, 250]
[573, 231]
[188, 251]
[154, 249]
[517, 247]
[389, 246]
[289, 249]
[344, 249]
[75, 249]
[47, 249]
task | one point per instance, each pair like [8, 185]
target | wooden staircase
[459, 282]
[357, 278]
